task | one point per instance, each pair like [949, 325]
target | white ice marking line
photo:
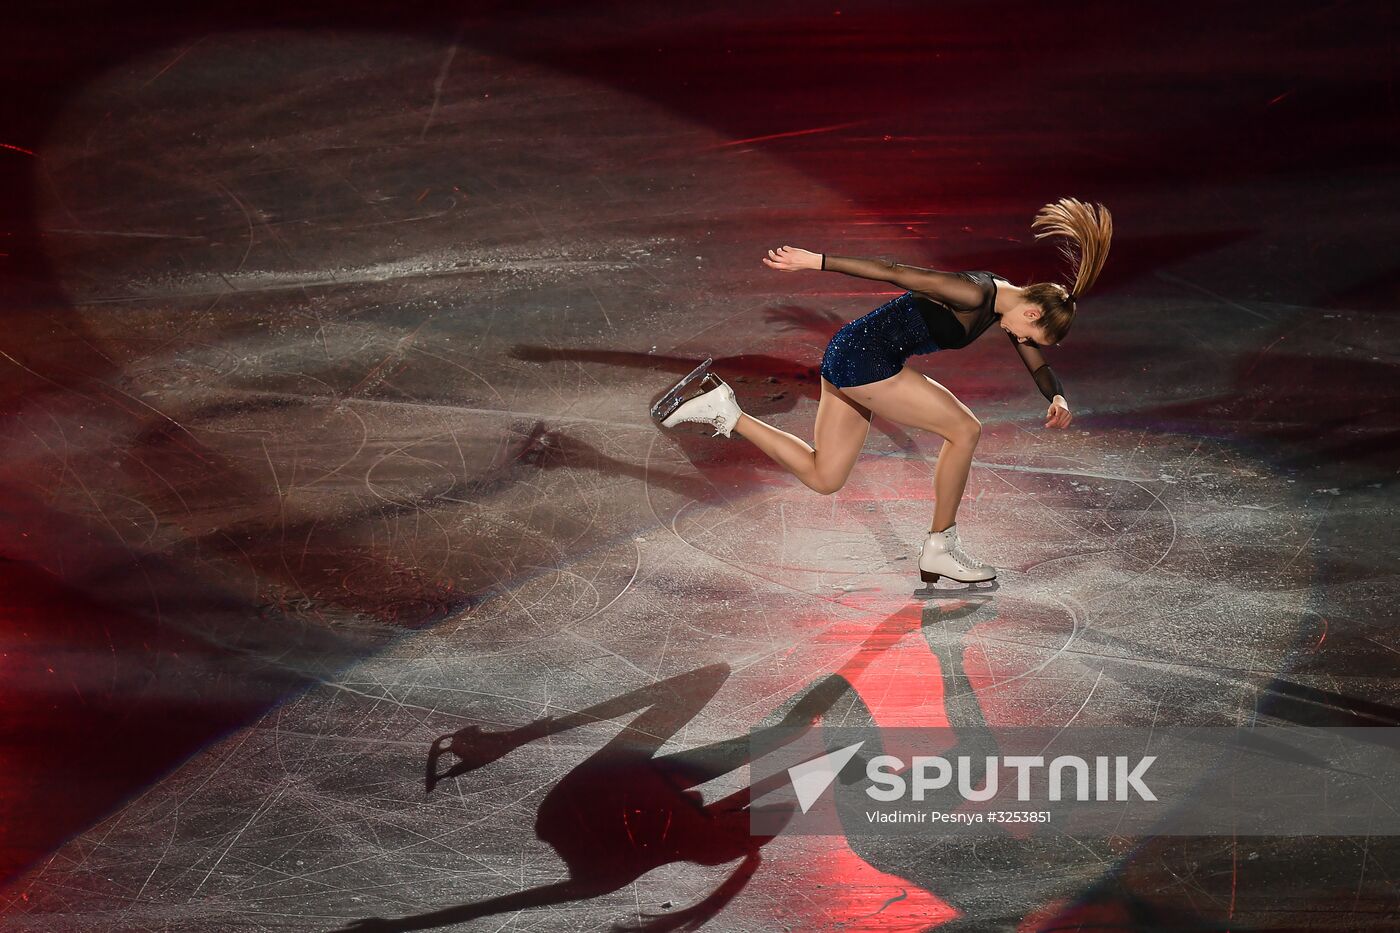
[1060, 471]
[246, 283]
[1326, 510]
[1381, 644]
[600, 306]
[1071, 719]
[1178, 280]
[622, 592]
[123, 233]
[441, 79]
[670, 526]
[588, 641]
[1077, 622]
[160, 860]
[1171, 516]
[266, 805]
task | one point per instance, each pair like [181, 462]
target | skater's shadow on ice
[764, 384]
[795, 317]
[626, 811]
[551, 450]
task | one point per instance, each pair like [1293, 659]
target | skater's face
[1023, 323]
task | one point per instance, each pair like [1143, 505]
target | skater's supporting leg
[950, 476]
[914, 400]
[840, 432]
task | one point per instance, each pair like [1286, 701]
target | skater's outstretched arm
[950, 287]
[1058, 415]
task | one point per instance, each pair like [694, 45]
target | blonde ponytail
[1088, 231]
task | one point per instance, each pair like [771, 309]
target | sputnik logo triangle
[811, 778]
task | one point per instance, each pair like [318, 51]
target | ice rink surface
[329, 341]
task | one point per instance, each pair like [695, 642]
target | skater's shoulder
[984, 278]
[990, 283]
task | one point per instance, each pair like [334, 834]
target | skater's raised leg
[843, 422]
[839, 434]
[702, 398]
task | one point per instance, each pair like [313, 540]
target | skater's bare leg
[663, 709]
[840, 432]
[914, 400]
[692, 917]
[950, 478]
[561, 892]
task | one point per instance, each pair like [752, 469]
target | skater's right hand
[1057, 415]
[792, 259]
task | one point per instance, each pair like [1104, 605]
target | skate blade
[951, 589]
[666, 406]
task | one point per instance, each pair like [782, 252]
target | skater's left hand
[1058, 416]
[792, 259]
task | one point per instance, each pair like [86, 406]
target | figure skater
[863, 370]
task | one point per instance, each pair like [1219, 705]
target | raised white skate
[714, 405]
[943, 555]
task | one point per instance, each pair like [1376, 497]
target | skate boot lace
[964, 559]
[716, 421]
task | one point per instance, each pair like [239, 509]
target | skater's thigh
[838, 413]
[841, 429]
[912, 399]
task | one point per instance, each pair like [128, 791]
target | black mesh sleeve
[954, 288]
[1044, 376]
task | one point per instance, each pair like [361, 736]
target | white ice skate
[942, 555]
[713, 403]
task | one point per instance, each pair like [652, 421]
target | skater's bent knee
[826, 485]
[966, 432]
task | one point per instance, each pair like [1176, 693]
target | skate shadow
[765, 385]
[546, 449]
[626, 811]
[795, 317]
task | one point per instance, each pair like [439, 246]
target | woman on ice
[863, 370]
